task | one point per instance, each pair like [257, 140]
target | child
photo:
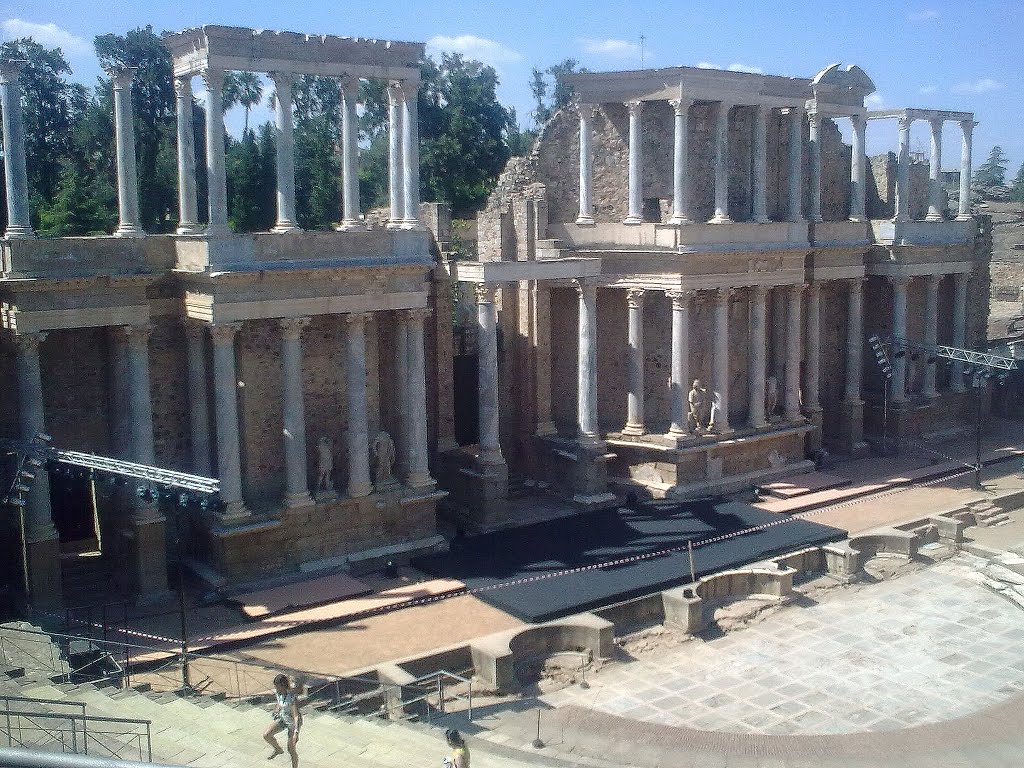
[285, 716]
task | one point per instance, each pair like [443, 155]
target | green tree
[561, 92]
[245, 89]
[317, 161]
[993, 172]
[51, 109]
[153, 102]
[85, 204]
[1017, 190]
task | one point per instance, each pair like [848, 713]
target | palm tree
[243, 88]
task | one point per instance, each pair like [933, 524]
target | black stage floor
[540, 549]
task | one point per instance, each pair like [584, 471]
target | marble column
[758, 354]
[678, 385]
[854, 339]
[542, 325]
[812, 373]
[349, 155]
[217, 189]
[487, 388]
[358, 435]
[124, 134]
[19, 219]
[402, 405]
[964, 209]
[778, 334]
[586, 214]
[395, 174]
[141, 448]
[935, 192]
[587, 368]
[225, 402]
[959, 327]
[636, 212]
[899, 329]
[681, 162]
[903, 172]
[931, 332]
[858, 187]
[760, 195]
[814, 177]
[38, 519]
[294, 412]
[285, 138]
[418, 476]
[635, 364]
[199, 409]
[188, 206]
[722, 165]
[796, 168]
[410, 155]
[720, 366]
[792, 388]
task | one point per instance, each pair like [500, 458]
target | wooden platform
[301, 594]
[799, 485]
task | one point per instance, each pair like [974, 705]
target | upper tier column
[959, 327]
[814, 177]
[395, 154]
[225, 398]
[349, 154]
[587, 363]
[680, 360]
[931, 332]
[635, 164]
[760, 195]
[355, 397]
[411, 155]
[294, 412]
[858, 188]
[796, 170]
[215, 171]
[188, 207]
[899, 329]
[419, 471]
[720, 363]
[722, 165]
[635, 358]
[792, 389]
[127, 174]
[19, 220]
[38, 518]
[681, 162]
[586, 214]
[935, 192]
[758, 355]
[285, 136]
[903, 172]
[487, 357]
[964, 213]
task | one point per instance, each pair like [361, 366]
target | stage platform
[514, 557]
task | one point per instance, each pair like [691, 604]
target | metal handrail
[48, 702]
[25, 758]
[58, 734]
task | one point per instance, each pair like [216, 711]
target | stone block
[683, 608]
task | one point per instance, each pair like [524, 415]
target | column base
[964, 217]
[812, 441]
[585, 221]
[762, 220]
[149, 551]
[796, 219]
[545, 429]
[851, 428]
[420, 482]
[900, 218]
[412, 225]
[680, 220]
[634, 430]
[858, 219]
[815, 219]
[491, 458]
[284, 227]
[16, 232]
[236, 512]
[632, 220]
[934, 217]
[677, 433]
[44, 574]
[720, 218]
[129, 230]
[326, 496]
[217, 230]
[296, 500]
[189, 228]
[350, 225]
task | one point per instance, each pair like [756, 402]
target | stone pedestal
[44, 585]
[149, 548]
[812, 441]
[851, 428]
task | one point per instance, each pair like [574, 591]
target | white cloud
[707, 65]
[616, 49]
[928, 14]
[927, 90]
[49, 35]
[984, 85]
[479, 48]
[736, 67]
[875, 101]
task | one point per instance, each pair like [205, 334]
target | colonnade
[682, 209]
[935, 189]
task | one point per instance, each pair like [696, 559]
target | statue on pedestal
[771, 397]
[325, 465]
[699, 418]
[384, 454]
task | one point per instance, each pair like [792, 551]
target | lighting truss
[983, 363]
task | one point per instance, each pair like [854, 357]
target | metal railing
[24, 702]
[116, 737]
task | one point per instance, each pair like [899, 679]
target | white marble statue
[699, 418]
[771, 396]
[325, 465]
[384, 454]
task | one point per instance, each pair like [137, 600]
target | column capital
[395, 95]
[899, 281]
[213, 78]
[349, 82]
[183, 86]
[416, 315]
[858, 119]
[934, 280]
[722, 295]
[484, 293]
[354, 318]
[760, 291]
[136, 336]
[813, 289]
[681, 298]
[635, 298]
[10, 70]
[814, 117]
[409, 88]
[29, 342]
[586, 110]
[936, 123]
[681, 106]
[282, 79]
[291, 327]
[194, 329]
[634, 107]
[968, 126]
[584, 285]
[121, 76]
[796, 289]
[855, 284]
[224, 333]
[905, 121]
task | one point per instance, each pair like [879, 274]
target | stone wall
[881, 179]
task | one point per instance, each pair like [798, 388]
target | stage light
[22, 488]
[43, 437]
[24, 474]
[16, 501]
[901, 353]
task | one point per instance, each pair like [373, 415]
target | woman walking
[460, 752]
[286, 716]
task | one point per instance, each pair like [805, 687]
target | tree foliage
[244, 89]
[993, 172]
[1017, 189]
[561, 92]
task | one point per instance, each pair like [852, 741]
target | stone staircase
[986, 514]
[210, 732]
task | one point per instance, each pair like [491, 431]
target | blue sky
[962, 55]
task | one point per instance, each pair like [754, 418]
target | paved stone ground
[923, 647]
